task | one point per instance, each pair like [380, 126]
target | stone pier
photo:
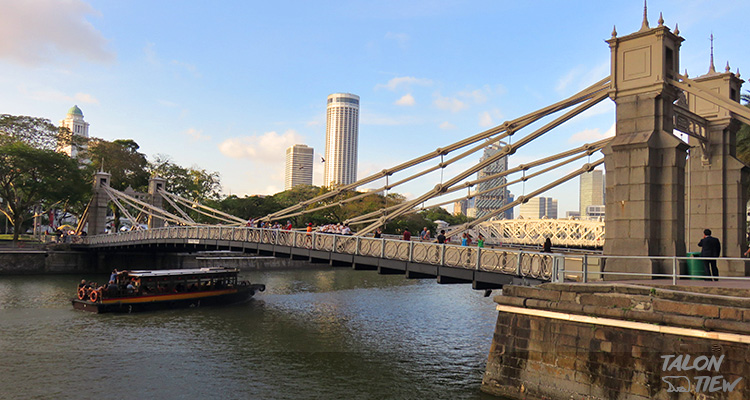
[620, 341]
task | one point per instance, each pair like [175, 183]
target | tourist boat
[164, 289]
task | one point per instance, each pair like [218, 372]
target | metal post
[442, 255]
[585, 267]
[560, 267]
[382, 248]
[479, 258]
[335, 237]
[411, 250]
[294, 239]
[518, 263]
[356, 248]
[674, 270]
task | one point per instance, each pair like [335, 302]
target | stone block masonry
[620, 342]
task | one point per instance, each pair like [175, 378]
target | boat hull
[169, 301]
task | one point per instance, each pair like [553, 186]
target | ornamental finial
[644, 24]
[614, 31]
[711, 67]
[661, 19]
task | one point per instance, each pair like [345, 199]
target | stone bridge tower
[716, 197]
[97, 213]
[645, 162]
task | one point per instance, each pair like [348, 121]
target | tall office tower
[591, 191]
[539, 207]
[493, 200]
[78, 127]
[299, 166]
[342, 131]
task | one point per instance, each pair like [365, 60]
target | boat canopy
[180, 272]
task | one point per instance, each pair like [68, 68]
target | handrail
[553, 267]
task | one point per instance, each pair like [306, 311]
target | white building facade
[342, 132]
[78, 127]
[299, 166]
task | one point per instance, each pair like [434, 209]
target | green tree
[121, 159]
[191, 183]
[31, 176]
[37, 132]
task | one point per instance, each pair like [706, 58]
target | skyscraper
[299, 166]
[342, 131]
[493, 200]
[539, 207]
[78, 127]
[591, 191]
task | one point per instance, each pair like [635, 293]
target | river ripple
[313, 334]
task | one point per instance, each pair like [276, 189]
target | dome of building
[75, 111]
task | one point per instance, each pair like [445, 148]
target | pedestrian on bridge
[441, 237]
[407, 234]
[710, 247]
[425, 234]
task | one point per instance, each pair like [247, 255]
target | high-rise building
[591, 191]
[299, 166]
[494, 199]
[342, 131]
[78, 127]
[538, 207]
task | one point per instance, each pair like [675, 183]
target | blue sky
[228, 85]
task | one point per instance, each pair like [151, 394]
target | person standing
[480, 241]
[407, 235]
[710, 247]
[425, 235]
[378, 233]
[441, 237]
[547, 246]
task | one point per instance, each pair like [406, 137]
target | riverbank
[37, 259]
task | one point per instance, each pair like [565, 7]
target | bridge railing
[543, 266]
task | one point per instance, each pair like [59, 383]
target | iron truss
[563, 232]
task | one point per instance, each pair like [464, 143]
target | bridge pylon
[155, 185]
[645, 162]
[97, 214]
[716, 196]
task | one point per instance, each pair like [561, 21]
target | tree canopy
[30, 176]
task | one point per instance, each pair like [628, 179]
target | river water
[313, 334]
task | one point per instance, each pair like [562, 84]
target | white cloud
[478, 96]
[490, 118]
[187, 67]
[166, 103]
[85, 98]
[44, 31]
[406, 100]
[404, 81]
[591, 135]
[150, 52]
[401, 38]
[268, 148]
[485, 119]
[196, 135]
[579, 77]
[447, 126]
[59, 97]
[451, 104]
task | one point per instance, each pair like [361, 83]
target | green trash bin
[695, 267]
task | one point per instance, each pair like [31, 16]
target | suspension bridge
[662, 190]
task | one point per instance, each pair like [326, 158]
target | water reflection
[325, 333]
